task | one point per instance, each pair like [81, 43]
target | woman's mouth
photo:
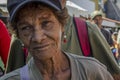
[41, 47]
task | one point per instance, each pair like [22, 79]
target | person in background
[114, 36]
[39, 24]
[115, 51]
[4, 44]
[16, 55]
[118, 42]
[96, 17]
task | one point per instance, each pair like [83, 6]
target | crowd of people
[44, 44]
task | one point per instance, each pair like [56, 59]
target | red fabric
[4, 42]
[83, 36]
[25, 52]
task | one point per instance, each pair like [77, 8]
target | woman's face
[40, 31]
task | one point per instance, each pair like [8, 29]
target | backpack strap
[24, 75]
[83, 38]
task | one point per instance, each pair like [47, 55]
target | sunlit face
[98, 20]
[40, 31]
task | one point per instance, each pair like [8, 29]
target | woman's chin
[43, 55]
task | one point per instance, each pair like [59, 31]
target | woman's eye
[45, 22]
[47, 25]
[26, 28]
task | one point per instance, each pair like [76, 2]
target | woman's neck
[55, 65]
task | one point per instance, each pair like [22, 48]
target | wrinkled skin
[40, 31]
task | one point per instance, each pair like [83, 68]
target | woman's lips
[41, 47]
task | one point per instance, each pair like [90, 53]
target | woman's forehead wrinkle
[45, 16]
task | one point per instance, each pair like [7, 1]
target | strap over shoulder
[83, 37]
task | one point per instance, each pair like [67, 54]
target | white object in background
[71, 4]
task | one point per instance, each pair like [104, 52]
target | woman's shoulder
[87, 61]
[91, 67]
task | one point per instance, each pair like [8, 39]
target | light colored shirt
[82, 68]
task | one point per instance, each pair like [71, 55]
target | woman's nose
[38, 36]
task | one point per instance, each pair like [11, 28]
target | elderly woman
[39, 25]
